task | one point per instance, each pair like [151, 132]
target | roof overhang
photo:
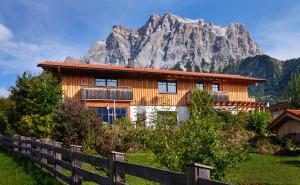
[146, 71]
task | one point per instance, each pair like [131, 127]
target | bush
[35, 99]
[201, 139]
[7, 116]
[258, 122]
[36, 125]
[77, 125]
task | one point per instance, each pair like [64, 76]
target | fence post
[115, 176]
[1, 142]
[16, 140]
[76, 179]
[23, 144]
[56, 156]
[43, 150]
[28, 147]
[195, 171]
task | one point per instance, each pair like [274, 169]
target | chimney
[130, 63]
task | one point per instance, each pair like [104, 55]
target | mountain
[172, 42]
[276, 72]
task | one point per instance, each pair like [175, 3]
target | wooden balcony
[220, 95]
[107, 93]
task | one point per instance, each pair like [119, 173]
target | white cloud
[20, 56]
[5, 33]
[281, 37]
[4, 92]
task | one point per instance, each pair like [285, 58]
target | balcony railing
[220, 95]
[107, 93]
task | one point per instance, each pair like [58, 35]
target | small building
[117, 91]
[287, 125]
[278, 108]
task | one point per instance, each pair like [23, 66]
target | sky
[35, 30]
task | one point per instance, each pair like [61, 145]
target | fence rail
[51, 156]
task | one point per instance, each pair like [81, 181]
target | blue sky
[36, 30]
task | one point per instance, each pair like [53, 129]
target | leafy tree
[201, 139]
[7, 116]
[78, 125]
[35, 98]
[258, 122]
[293, 90]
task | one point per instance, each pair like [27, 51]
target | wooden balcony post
[115, 176]
[197, 171]
[76, 179]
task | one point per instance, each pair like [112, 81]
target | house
[130, 92]
[287, 125]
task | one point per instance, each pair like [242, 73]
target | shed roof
[286, 115]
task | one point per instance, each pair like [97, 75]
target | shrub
[36, 125]
[77, 125]
[258, 122]
[201, 139]
[7, 116]
[35, 99]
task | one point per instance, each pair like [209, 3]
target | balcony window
[106, 82]
[167, 86]
[107, 113]
[215, 87]
[200, 86]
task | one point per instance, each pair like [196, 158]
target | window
[108, 116]
[215, 87]
[200, 86]
[167, 87]
[106, 82]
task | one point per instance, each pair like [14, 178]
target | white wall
[182, 112]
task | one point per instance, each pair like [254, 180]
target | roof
[294, 112]
[287, 114]
[79, 66]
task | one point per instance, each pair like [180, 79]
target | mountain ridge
[169, 40]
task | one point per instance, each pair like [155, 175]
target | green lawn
[262, 169]
[16, 170]
[268, 169]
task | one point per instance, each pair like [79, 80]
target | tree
[76, 124]
[292, 91]
[201, 139]
[258, 122]
[7, 116]
[35, 98]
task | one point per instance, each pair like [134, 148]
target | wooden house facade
[127, 91]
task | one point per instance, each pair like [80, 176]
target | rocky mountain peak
[170, 41]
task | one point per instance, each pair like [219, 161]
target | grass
[268, 169]
[15, 170]
[260, 169]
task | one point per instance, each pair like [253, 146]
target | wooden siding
[145, 91]
[290, 126]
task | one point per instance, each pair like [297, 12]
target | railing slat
[64, 164]
[93, 160]
[90, 176]
[66, 179]
[153, 174]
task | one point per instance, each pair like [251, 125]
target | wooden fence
[57, 160]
